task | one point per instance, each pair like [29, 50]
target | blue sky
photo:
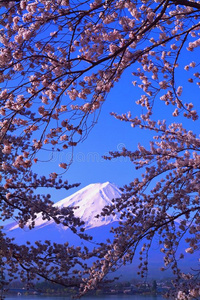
[110, 134]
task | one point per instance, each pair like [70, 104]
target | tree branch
[187, 3]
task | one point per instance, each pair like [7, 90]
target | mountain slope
[88, 203]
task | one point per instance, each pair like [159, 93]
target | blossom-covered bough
[58, 61]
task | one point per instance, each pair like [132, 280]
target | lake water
[111, 297]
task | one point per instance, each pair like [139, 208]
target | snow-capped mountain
[89, 202]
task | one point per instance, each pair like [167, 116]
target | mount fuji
[89, 202]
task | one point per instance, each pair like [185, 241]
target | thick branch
[187, 3]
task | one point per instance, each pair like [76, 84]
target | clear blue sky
[108, 134]
[111, 134]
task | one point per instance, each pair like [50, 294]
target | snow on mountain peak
[89, 202]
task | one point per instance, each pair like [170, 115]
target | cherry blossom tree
[58, 62]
